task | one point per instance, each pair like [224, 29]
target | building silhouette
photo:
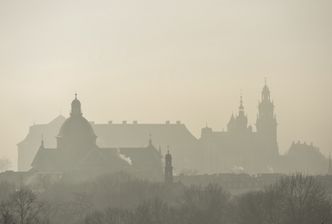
[113, 135]
[303, 157]
[242, 148]
[78, 156]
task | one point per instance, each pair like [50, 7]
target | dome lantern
[76, 107]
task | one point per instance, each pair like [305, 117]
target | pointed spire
[241, 101]
[266, 91]
[75, 95]
[241, 107]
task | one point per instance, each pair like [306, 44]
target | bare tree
[205, 205]
[95, 218]
[304, 200]
[294, 199]
[27, 208]
[6, 215]
[6, 189]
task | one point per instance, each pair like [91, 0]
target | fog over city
[154, 61]
[165, 112]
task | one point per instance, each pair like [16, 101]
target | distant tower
[330, 165]
[266, 123]
[242, 118]
[239, 124]
[168, 168]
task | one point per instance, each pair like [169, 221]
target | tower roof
[241, 107]
[266, 91]
[76, 107]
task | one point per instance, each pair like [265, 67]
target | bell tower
[266, 123]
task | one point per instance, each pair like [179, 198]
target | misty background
[154, 61]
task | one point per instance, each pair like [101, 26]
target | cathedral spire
[241, 107]
[266, 91]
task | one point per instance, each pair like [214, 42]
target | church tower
[266, 123]
[76, 136]
[242, 120]
[168, 168]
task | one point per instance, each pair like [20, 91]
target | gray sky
[152, 61]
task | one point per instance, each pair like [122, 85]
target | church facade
[77, 154]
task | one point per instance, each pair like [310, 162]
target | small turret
[168, 168]
[76, 107]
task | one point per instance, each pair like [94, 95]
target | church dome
[76, 130]
[78, 126]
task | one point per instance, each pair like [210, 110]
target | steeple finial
[75, 95]
[265, 80]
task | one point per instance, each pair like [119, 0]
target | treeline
[121, 199]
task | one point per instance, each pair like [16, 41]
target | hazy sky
[152, 61]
